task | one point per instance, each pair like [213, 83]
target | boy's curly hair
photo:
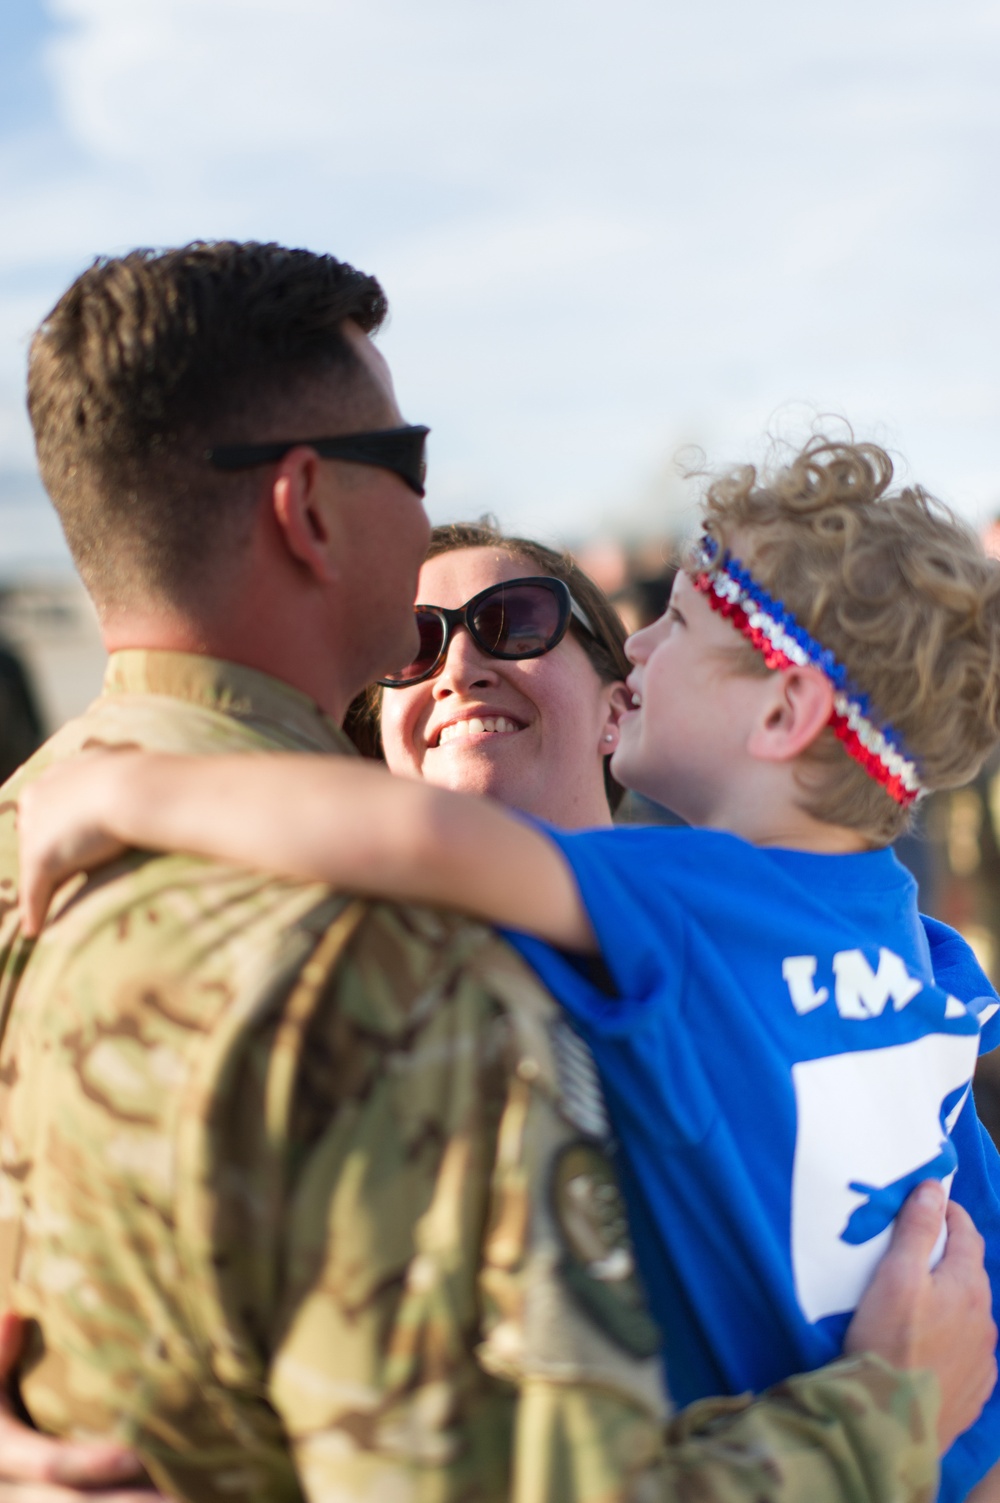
[898, 589]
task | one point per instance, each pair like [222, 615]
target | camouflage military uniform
[309, 1195]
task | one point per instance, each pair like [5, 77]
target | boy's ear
[302, 513]
[793, 714]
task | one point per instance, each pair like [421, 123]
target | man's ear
[794, 712]
[301, 504]
[619, 700]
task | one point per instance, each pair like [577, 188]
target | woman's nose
[466, 667]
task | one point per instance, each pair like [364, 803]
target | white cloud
[602, 229]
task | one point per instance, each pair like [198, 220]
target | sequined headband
[783, 643]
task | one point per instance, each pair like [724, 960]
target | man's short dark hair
[151, 357]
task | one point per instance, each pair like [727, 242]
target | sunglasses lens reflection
[518, 622]
[431, 630]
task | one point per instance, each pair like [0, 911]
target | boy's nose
[636, 646]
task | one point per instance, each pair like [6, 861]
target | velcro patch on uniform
[598, 1264]
[581, 1098]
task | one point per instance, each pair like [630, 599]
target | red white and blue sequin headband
[783, 643]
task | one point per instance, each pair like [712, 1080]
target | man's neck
[158, 631]
[272, 653]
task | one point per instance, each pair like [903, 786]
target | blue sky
[605, 231]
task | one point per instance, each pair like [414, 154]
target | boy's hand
[941, 1319]
[62, 829]
[37, 1468]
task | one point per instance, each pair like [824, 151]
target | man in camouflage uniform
[307, 1195]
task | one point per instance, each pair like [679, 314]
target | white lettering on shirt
[798, 972]
[862, 993]
[859, 992]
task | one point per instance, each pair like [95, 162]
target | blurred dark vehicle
[20, 723]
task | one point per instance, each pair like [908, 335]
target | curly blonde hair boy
[898, 589]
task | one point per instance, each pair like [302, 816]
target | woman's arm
[325, 819]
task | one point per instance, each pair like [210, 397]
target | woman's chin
[486, 747]
[479, 765]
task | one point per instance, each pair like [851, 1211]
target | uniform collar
[228, 688]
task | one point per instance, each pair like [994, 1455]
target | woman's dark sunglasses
[401, 450]
[521, 618]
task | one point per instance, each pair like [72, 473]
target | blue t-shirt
[780, 1069]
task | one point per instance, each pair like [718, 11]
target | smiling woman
[534, 732]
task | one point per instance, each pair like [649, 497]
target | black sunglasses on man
[401, 450]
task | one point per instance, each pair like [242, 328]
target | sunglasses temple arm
[579, 614]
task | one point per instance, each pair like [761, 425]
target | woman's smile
[474, 727]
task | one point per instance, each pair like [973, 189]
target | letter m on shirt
[863, 993]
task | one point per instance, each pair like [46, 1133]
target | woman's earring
[608, 736]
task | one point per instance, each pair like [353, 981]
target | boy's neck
[767, 816]
[823, 839]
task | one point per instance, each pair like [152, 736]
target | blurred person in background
[643, 599]
[640, 602]
[20, 722]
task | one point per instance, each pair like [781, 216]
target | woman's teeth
[497, 725]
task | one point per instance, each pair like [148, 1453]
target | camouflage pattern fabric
[313, 1196]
